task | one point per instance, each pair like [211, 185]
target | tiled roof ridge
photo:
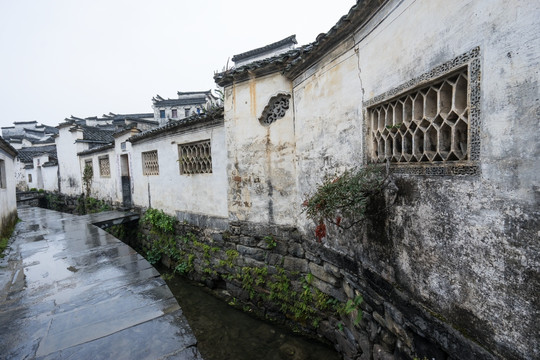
[289, 39]
[291, 63]
[96, 149]
[4, 145]
[213, 114]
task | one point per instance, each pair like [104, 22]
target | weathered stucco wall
[464, 247]
[103, 186]
[170, 191]
[261, 169]
[8, 200]
[68, 162]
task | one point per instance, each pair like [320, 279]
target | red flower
[338, 220]
[305, 203]
[320, 231]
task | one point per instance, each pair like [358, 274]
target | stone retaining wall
[245, 262]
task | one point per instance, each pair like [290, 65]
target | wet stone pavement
[69, 290]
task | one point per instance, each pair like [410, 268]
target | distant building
[265, 52]
[187, 104]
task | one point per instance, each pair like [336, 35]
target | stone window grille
[104, 166]
[276, 109]
[29, 178]
[195, 158]
[123, 145]
[150, 163]
[2, 174]
[432, 129]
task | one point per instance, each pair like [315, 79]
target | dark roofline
[214, 116]
[91, 141]
[292, 63]
[8, 127]
[290, 40]
[25, 122]
[95, 150]
[207, 92]
[4, 145]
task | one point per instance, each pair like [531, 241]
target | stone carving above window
[150, 163]
[431, 129]
[195, 158]
[276, 109]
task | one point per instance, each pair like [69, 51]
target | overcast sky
[90, 57]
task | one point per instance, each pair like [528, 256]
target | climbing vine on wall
[345, 200]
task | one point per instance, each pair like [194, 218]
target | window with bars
[150, 163]
[428, 124]
[195, 158]
[104, 166]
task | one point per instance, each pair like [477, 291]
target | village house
[8, 201]
[444, 93]
[187, 104]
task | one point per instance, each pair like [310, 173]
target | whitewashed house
[37, 167]
[447, 93]
[8, 200]
[187, 104]
[180, 168]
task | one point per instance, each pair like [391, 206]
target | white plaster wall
[102, 187]
[261, 169]
[8, 200]
[50, 178]
[462, 245]
[69, 167]
[169, 191]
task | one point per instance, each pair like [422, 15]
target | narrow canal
[226, 333]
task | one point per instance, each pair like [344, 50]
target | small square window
[174, 113]
[162, 114]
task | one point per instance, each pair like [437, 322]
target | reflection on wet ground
[71, 290]
[225, 333]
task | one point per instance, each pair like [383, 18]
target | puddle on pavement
[224, 332]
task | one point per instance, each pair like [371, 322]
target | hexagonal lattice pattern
[150, 163]
[430, 123]
[195, 158]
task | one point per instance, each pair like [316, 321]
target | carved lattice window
[150, 163]
[104, 166]
[195, 158]
[426, 125]
[276, 109]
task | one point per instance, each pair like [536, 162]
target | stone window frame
[3, 184]
[276, 109]
[195, 157]
[150, 162]
[468, 62]
[30, 178]
[104, 166]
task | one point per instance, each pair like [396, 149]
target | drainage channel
[224, 332]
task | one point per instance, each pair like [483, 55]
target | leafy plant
[270, 242]
[159, 220]
[344, 200]
[88, 176]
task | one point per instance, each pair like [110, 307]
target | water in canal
[226, 333]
